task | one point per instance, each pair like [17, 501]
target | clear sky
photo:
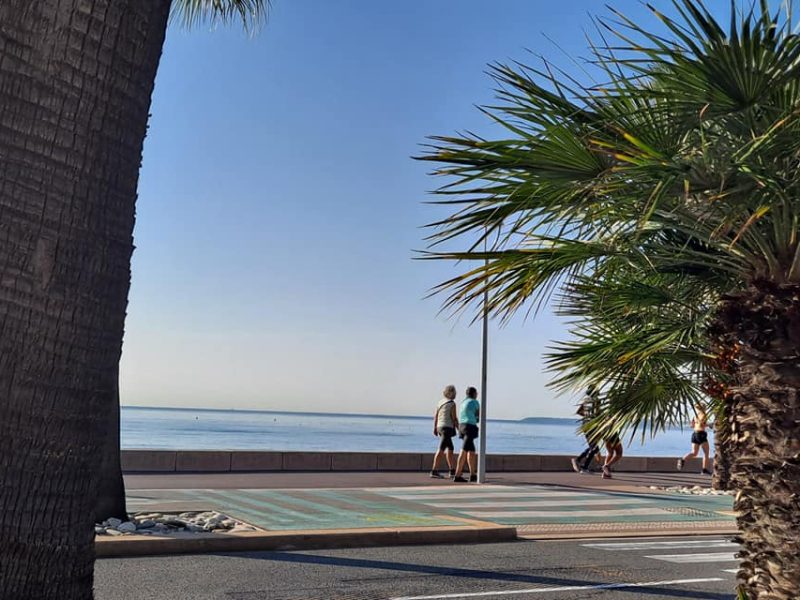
[279, 209]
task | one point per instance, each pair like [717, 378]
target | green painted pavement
[437, 506]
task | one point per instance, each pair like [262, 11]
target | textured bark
[766, 435]
[723, 451]
[110, 498]
[75, 83]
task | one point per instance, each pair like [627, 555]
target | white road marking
[696, 558]
[495, 495]
[571, 588]
[671, 545]
[622, 512]
[534, 503]
[734, 571]
[418, 489]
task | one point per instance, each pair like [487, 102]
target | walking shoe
[705, 472]
[473, 479]
[680, 464]
[436, 475]
[452, 473]
[459, 479]
[575, 466]
[606, 473]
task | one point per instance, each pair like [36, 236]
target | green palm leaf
[190, 13]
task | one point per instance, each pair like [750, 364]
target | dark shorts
[699, 437]
[468, 433]
[613, 440]
[446, 438]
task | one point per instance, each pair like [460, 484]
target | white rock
[113, 532]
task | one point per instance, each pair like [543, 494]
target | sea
[212, 429]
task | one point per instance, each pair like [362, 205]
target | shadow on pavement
[361, 563]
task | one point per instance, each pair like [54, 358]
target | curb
[637, 530]
[124, 546]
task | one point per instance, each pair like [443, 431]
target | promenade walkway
[529, 506]
[312, 509]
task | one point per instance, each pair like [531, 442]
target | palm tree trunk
[766, 433]
[110, 498]
[723, 452]
[75, 85]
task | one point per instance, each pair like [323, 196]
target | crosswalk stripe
[696, 558]
[734, 571]
[534, 503]
[569, 588]
[671, 545]
[574, 514]
[494, 495]
[420, 489]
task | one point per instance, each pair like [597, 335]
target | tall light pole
[484, 363]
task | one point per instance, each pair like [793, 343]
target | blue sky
[279, 209]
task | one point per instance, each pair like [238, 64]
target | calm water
[198, 429]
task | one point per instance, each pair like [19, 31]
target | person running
[469, 416]
[699, 439]
[445, 423]
[614, 453]
[587, 411]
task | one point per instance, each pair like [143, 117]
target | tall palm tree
[75, 86]
[684, 157]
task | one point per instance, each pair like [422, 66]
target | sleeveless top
[444, 413]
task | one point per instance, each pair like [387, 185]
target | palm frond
[190, 13]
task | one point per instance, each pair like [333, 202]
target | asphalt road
[611, 569]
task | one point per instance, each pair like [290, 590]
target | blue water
[202, 429]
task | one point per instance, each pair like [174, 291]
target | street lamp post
[484, 362]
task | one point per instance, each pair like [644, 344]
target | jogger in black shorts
[614, 453]
[699, 439]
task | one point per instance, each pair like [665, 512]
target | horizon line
[318, 413]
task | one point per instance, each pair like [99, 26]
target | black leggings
[586, 457]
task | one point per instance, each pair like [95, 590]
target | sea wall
[224, 461]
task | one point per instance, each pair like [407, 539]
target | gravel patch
[695, 490]
[155, 523]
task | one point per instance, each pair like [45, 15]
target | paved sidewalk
[313, 510]
[428, 506]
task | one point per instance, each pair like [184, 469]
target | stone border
[137, 545]
[234, 461]
[562, 531]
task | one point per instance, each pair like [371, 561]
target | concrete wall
[224, 461]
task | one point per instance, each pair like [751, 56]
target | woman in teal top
[469, 415]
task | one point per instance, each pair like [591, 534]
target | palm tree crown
[685, 159]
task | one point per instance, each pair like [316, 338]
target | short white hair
[450, 392]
